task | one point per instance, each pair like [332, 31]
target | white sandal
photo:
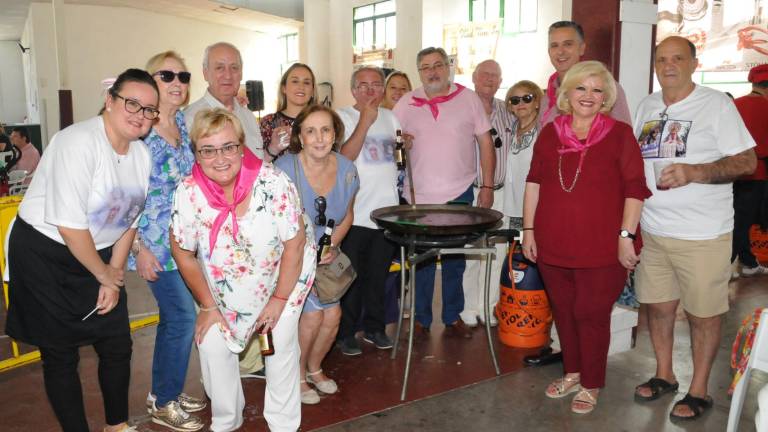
[328, 386]
[562, 387]
[309, 397]
[586, 398]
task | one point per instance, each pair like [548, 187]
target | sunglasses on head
[514, 100]
[497, 140]
[168, 76]
[320, 206]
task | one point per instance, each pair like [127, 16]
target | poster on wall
[730, 35]
[471, 43]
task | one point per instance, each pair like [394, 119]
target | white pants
[221, 379]
[474, 273]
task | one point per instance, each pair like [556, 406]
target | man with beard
[445, 120]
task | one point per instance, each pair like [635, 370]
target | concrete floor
[479, 403]
[516, 401]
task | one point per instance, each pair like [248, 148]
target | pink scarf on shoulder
[569, 143]
[417, 101]
[214, 194]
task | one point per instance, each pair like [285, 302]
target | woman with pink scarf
[588, 166]
[240, 244]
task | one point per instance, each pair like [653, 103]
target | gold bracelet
[209, 309]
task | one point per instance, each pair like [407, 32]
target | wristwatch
[626, 234]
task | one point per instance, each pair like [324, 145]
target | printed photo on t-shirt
[664, 139]
[378, 150]
[121, 208]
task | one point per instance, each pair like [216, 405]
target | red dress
[580, 229]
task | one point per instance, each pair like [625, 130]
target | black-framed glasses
[497, 140]
[514, 100]
[320, 206]
[227, 150]
[168, 76]
[436, 67]
[133, 107]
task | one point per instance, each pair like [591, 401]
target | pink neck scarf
[215, 194]
[418, 102]
[569, 143]
[551, 95]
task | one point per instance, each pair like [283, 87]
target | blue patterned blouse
[169, 166]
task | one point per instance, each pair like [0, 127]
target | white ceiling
[266, 16]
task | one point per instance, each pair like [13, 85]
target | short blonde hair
[531, 88]
[154, 62]
[577, 74]
[212, 121]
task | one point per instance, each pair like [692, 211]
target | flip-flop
[659, 387]
[698, 405]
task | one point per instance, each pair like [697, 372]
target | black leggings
[62, 381]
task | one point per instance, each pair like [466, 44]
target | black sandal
[659, 387]
[698, 405]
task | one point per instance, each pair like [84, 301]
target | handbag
[331, 280]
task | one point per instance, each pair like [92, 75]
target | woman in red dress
[583, 199]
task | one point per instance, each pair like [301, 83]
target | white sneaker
[758, 270]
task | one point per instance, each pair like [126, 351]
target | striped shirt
[501, 122]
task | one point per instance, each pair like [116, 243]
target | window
[520, 16]
[374, 26]
[486, 10]
[290, 47]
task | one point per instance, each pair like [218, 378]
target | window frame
[373, 18]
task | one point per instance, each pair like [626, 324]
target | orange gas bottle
[523, 309]
[758, 240]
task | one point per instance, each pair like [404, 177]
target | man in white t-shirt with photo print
[369, 141]
[687, 224]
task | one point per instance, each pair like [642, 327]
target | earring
[109, 109]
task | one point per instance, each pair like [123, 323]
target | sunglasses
[168, 76]
[514, 100]
[320, 206]
[497, 140]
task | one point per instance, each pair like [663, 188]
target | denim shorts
[312, 304]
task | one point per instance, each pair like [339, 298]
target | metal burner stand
[439, 245]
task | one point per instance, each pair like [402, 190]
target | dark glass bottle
[265, 342]
[324, 244]
[399, 150]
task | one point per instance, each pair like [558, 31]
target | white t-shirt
[247, 120]
[704, 127]
[375, 164]
[517, 165]
[82, 183]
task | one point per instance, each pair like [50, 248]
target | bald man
[687, 223]
[487, 80]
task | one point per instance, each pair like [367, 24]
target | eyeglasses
[133, 107]
[365, 86]
[497, 141]
[168, 76]
[514, 100]
[320, 206]
[226, 150]
[435, 67]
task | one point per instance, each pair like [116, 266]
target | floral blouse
[169, 166]
[243, 275]
[271, 121]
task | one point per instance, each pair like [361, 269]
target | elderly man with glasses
[449, 125]
[369, 141]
